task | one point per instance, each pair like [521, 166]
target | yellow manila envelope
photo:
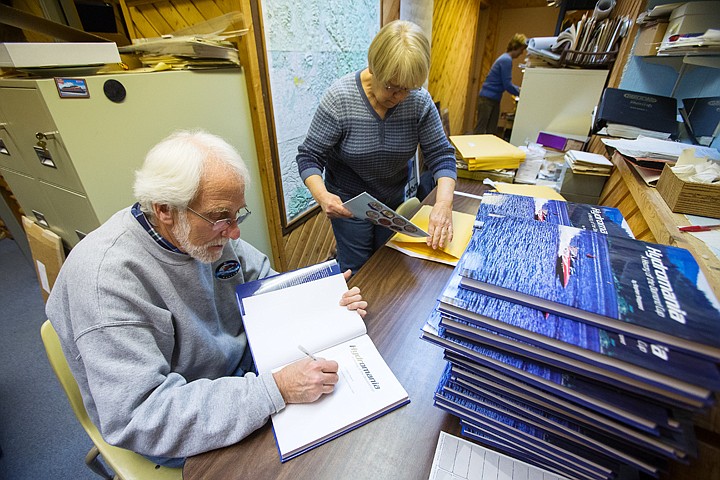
[537, 191]
[416, 247]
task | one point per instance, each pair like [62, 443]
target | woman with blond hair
[367, 127]
[498, 81]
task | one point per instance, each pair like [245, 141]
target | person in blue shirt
[367, 127]
[498, 81]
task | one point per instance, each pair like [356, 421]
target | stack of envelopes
[486, 152]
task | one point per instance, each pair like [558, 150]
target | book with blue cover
[577, 459]
[692, 398]
[477, 403]
[667, 443]
[601, 219]
[597, 397]
[653, 292]
[577, 342]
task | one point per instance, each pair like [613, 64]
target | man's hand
[306, 380]
[352, 298]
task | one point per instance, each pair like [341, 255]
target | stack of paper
[185, 52]
[588, 163]
[486, 152]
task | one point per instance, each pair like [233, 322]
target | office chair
[409, 207]
[126, 464]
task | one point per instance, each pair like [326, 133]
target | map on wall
[310, 44]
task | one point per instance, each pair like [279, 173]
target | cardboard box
[686, 197]
[587, 185]
[649, 39]
[47, 252]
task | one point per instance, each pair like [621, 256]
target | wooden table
[401, 292]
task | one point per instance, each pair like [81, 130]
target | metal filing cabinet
[70, 161]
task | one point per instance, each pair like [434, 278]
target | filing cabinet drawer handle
[45, 135]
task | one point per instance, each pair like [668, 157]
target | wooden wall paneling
[313, 242]
[138, 26]
[390, 11]
[453, 49]
[476, 69]
[631, 8]
[249, 58]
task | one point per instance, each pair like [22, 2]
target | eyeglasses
[225, 223]
[393, 89]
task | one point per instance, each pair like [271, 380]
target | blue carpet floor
[40, 437]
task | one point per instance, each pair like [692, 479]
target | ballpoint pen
[698, 228]
[302, 349]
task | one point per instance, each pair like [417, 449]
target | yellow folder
[416, 247]
[537, 191]
[487, 152]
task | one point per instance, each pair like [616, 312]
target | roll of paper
[603, 9]
[541, 43]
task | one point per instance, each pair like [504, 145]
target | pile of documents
[189, 52]
[705, 44]
[588, 163]
[486, 152]
[201, 46]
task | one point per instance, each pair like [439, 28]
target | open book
[367, 207]
[308, 314]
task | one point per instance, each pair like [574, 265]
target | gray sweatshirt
[154, 339]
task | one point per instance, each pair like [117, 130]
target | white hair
[173, 168]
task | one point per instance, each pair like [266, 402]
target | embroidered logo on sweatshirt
[227, 269]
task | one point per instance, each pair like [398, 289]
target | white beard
[181, 232]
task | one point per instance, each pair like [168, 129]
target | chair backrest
[126, 464]
[62, 371]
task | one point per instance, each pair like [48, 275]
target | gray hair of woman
[400, 55]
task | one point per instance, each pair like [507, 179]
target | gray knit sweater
[360, 152]
[154, 337]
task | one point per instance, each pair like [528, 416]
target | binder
[637, 109]
[702, 118]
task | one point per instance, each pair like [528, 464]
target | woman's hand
[332, 205]
[440, 226]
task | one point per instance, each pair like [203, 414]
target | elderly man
[146, 312]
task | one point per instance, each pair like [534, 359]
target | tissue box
[686, 197]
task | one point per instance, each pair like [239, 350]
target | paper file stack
[486, 152]
[588, 163]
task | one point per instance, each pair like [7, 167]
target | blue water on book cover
[602, 398]
[656, 287]
[551, 425]
[500, 422]
[653, 356]
[601, 219]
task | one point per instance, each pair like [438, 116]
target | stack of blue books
[572, 345]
